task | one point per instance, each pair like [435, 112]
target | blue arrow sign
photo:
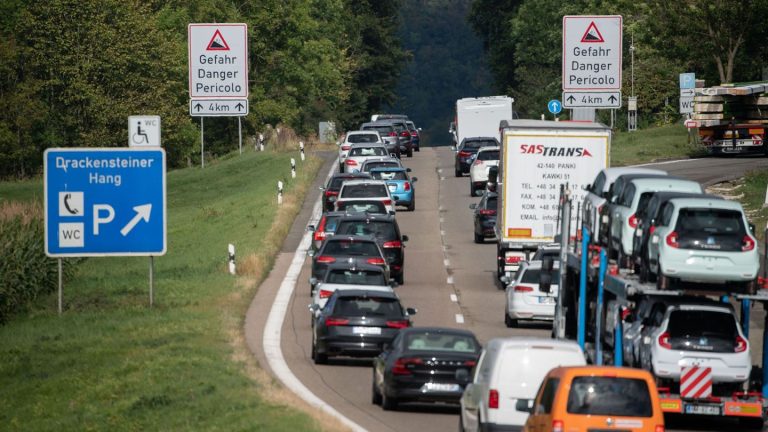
[105, 201]
[555, 106]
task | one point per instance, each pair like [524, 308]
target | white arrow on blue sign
[555, 107]
[105, 201]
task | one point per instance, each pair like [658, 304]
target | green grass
[653, 144]
[111, 363]
[754, 196]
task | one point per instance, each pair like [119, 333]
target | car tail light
[652, 229]
[470, 363]
[672, 240]
[376, 261]
[633, 221]
[401, 365]
[405, 133]
[659, 428]
[392, 134]
[330, 193]
[346, 147]
[493, 399]
[398, 324]
[464, 154]
[320, 232]
[748, 243]
[333, 321]
[387, 202]
[558, 426]
[414, 133]
[407, 186]
[325, 259]
[664, 340]
[392, 244]
[523, 288]
[350, 162]
[487, 212]
[741, 344]
[319, 235]
[512, 259]
[325, 293]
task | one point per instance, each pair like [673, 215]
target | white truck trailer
[480, 117]
[537, 158]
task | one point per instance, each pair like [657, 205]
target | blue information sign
[105, 201]
[555, 106]
[687, 80]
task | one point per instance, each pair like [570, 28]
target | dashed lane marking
[459, 318]
[454, 298]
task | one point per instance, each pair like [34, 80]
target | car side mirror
[414, 179]
[752, 228]
[313, 281]
[524, 405]
[394, 155]
[311, 253]
[411, 311]
[404, 238]
[453, 147]
[322, 188]
[505, 280]
[418, 129]
[394, 284]
[462, 376]
[473, 206]
[311, 228]
[407, 170]
[314, 307]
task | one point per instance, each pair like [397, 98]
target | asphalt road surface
[443, 264]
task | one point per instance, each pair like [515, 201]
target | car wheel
[509, 322]
[457, 170]
[751, 423]
[316, 356]
[400, 278]
[412, 205]
[472, 189]
[410, 153]
[643, 273]
[388, 403]
[418, 148]
[750, 287]
[341, 168]
[479, 238]
[375, 394]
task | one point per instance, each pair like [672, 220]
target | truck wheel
[751, 423]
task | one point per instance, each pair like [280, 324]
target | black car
[385, 230]
[485, 216]
[420, 366]
[467, 150]
[354, 250]
[357, 323]
[331, 189]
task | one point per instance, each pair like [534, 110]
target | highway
[450, 279]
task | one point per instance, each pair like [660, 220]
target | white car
[344, 277]
[510, 369]
[359, 153]
[526, 300]
[706, 335]
[598, 191]
[367, 190]
[356, 137]
[485, 158]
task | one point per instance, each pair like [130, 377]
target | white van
[510, 369]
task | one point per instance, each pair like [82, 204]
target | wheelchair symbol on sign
[140, 136]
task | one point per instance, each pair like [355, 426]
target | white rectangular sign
[218, 107]
[218, 61]
[592, 52]
[592, 99]
[144, 131]
[686, 104]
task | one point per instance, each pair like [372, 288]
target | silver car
[359, 153]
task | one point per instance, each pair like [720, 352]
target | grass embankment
[753, 188]
[111, 363]
[653, 144]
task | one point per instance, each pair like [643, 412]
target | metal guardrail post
[599, 319]
[582, 319]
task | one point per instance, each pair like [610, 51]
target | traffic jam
[640, 294]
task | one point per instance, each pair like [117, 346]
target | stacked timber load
[743, 103]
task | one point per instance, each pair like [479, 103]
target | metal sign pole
[599, 323]
[240, 133]
[564, 241]
[202, 144]
[151, 281]
[61, 288]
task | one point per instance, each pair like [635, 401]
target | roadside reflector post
[231, 253]
[599, 320]
[61, 288]
[279, 192]
[261, 141]
[745, 310]
[582, 318]
[293, 168]
[301, 150]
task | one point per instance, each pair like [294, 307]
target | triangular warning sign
[217, 42]
[592, 35]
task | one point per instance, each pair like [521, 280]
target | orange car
[594, 398]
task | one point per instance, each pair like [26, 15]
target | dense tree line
[72, 71]
[722, 41]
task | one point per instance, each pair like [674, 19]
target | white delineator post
[301, 149]
[261, 142]
[231, 250]
[279, 192]
[293, 168]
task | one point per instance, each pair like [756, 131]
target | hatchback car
[404, 135]
[595, 398]
[466, 151]
[485, 158]
[614, 193]
[704, 240]
[388, 135]
[385, 230]
[368, 189]
[420, 366]
[485, 216]
[343, 276]
[356, 137]
[525, 298]
[400, 185]
[358, 323]
[331, 189]
[353, 250]
[326, 226]
[386, 162]
[415, 135]
[359, 153]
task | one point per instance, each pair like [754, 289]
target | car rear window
[383, 129]
[330, 223]
[361, 206]
[380, 229]
[351, 248]
[386, 307]
[488, 155]
[479, 143]
[356, 277]
[710, 229]
[364, 191]
[368, 151]
[337, 181]
[371, 165]
[702, 330]
[429, 341]
[389, 175]
[492, 203]
[363, 138]
[531, 276]
[609, 396]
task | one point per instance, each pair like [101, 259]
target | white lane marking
[442, 178]
[459, 318]
[667, 162]
[447, 262]
[442, 233]
[440, 170]
[449, 280]
[454, 298]
[273, 328]
[442, 220]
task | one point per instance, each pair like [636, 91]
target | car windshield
[479, 143]
[711, 229]
[380, 164]
[389, 175]
[429, 341]
[364, 191]
[387, 307]
[355, 277]
[368, 151]
[351, 248]
[488, 155]
[380, 229]
[361, 206]
[609, 396]
[362, 138]
[702, 330]
[531, 276]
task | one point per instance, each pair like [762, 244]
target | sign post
[687, 91]
[555, 107]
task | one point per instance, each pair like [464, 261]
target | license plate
[703, 409]
[366, 330]
[440, 387]
[547, 300]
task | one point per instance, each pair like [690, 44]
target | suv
[387, 133]
[353, 250]
[704, 240]
[368, 189]
[385, 230]
[359, 153]
[415, 136]
[356, 137]
[466, 151]
[485, 158]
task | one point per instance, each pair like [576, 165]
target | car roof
[376, 144]
[704, 306]
[663, 180]
[527, 341]
[350, 287]
[451, 330]
[364, 292]
[388, 169]
[347, 237]
[364, 181]
[383, 159]
[345, 266]
[358, 216]
[362, 132]
[483, 138]
[612, 173]
[373, 124]
[632, 176]
[607, 371]
[668, 195]
[363, 175]
[706, 202]
[536, 265]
